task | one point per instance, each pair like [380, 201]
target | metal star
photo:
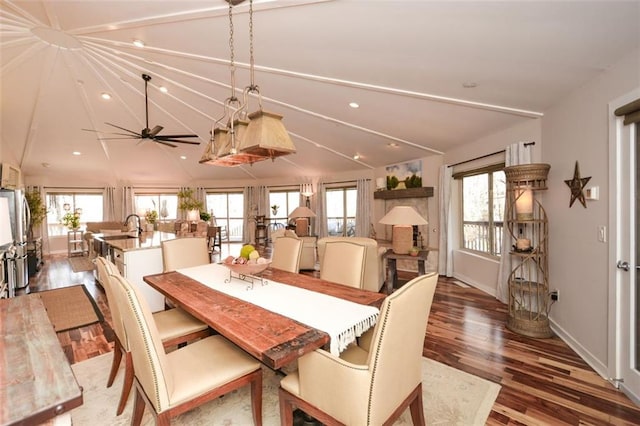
[577, 185]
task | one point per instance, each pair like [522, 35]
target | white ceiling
[403, 61]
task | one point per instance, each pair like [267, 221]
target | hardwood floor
[543, 381]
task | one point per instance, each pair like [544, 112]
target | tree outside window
[89, 207]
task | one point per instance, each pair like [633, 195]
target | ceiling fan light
[266, 136]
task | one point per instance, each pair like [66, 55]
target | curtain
[447, 224]
[515, 154]
[201, 195]
[261, 198]
[109, 205]
[364, 201]
[321, 211]
[250, 209]
[128, 201]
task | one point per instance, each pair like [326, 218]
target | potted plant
[274, 209]
[152, 217]
[38, 210]
[205, 216]
[187, 201]
[71, 220]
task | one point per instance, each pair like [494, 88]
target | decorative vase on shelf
[274, 210]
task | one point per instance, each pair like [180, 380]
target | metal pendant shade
[266, 136]
[258, 139]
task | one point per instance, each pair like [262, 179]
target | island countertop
[124, 242]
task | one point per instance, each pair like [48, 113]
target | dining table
[273, 338]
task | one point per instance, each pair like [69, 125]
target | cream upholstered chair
[184, 253]
[373, 383]
[174, 327]
[174, 383]
[374, 271]
[343, 263]
[286, 254]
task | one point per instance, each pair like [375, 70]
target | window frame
[58, 229]
[495, 228]
[347, 229]
[225, 221]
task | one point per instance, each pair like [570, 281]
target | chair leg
[128, 382]
[138, 409]
[117, 357]
[417, 410]
[256, 398]
[286, 408]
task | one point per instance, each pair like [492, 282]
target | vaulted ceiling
[408, 64]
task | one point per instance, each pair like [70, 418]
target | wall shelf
[394, 194]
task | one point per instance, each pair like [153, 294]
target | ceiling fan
[147, 133]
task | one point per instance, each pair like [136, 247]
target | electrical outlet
[555, 295]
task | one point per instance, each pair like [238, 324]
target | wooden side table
[392, 270]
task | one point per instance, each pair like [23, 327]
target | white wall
[577, 130]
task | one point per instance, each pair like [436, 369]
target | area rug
[70, 307]
[80, 264]
[451, 397]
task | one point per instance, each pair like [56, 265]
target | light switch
[602, 234]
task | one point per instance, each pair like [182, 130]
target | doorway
[624, 276]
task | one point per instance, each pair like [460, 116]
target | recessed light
[392, 145]
[183, 157]
[76, 153]
[354, 105]
[469, 84]
[356, 157]
[163, 89]
[138, 43]
[106, 96]
[46, 165]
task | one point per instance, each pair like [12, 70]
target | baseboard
[468, 280]
[587, 356]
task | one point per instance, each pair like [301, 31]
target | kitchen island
[136, 257]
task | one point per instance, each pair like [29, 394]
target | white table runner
[341, 319]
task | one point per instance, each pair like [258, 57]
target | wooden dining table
[273, 339]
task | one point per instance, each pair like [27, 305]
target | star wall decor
[577, 185]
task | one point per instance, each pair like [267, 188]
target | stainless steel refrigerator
[16, 270]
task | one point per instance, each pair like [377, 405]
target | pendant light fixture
[245, 139]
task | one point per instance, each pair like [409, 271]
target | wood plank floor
[543, 381]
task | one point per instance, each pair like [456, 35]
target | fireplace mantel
[394, 194]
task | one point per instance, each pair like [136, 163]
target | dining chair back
[287, 252]
[184, 253]
[374, 382]
[343, 263]
[175, 327]
[174, 383]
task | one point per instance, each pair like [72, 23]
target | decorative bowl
[247, 268]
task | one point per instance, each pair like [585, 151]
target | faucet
[138, 227]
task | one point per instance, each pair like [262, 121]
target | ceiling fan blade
[179, 136]
[165, 143]
[91, 130]
[155, 130]
[166, 139]
[122, 128]
[123, 138]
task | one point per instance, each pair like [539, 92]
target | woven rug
[70, 307]
[80, 263]
[450, 396]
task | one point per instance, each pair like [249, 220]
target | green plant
[71, 220]
[186, 201]
[275, 208]
[151, 216]
[205, 216]
[392, 182]
[413, 181]
[37, 207]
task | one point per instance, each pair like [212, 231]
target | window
[286, 201]
[341, 211]
[58, 204]
[227, 210]
[483, 197]
[166, 205]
